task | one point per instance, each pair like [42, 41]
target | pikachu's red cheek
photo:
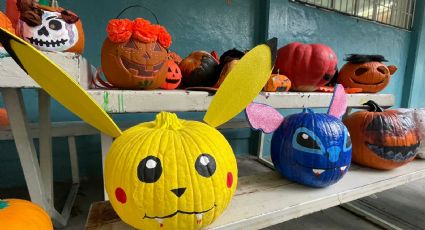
[229, 179]
[120, 195]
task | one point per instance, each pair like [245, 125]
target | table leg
[14, 103]
[106, 142]
[46, 161]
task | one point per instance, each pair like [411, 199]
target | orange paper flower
[144, 31]
[164, 38]
[119, 30]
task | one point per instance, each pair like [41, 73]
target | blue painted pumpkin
[313, 149]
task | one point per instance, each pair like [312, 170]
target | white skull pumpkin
[53, 34]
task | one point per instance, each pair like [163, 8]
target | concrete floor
[403, 206]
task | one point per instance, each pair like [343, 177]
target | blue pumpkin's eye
[305, 140]
[347, 141]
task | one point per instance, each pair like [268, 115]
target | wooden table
[39, 174]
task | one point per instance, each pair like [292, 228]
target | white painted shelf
[131, 101]
[266, 199]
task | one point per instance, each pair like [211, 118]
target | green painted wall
[213, 25]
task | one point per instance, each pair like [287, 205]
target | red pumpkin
[382, 139]
[4, 119]
[277, 83]
[173, 76]
[366, 72]
[134, 55]
[199, 69]
[12, 12]
[308, 66]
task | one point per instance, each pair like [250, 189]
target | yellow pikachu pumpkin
[169, 173]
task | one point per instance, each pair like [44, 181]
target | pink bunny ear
[338, 104]
[263, 117]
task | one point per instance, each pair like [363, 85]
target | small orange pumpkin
[382, 139]
[4, 119]
[173, 77]
[18, 214]
[366, 72]
[278, 83]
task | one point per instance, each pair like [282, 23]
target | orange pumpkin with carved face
[173, 77]
[134, 55]
[366, 72]
[277, 83]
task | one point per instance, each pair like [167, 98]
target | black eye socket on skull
[55, 25]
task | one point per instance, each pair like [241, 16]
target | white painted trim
[46, 160]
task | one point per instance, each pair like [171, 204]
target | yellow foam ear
[57, 83]
[241, 85]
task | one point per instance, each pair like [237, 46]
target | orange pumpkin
[173, 77]
[382, 139]
[21, 214]
[5, 23]
[277, 83]
[4, 119]
[134, 54]
[50, 28]
[366, 72]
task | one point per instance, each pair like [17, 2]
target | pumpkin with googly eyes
[134, 55]
[170, 174]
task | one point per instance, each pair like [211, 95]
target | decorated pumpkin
[199, 69]
[277, 83]
[5, 23]
[226, 70]
[309, 148]
[173, 77]
[176, 174]
[366, 72]
[12, 12]
[308, 66]
[168, 173]
[50, 28]
[134, 55]
[419, 116]
[382, 139]
[22, 214]
[4, 119]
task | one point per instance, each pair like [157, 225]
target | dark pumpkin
[308, 66]
[382, 139]
[199, 69]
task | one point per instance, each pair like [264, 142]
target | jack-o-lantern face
[382, 139]
[134, 54]
[134, 64]
[53, 34]
[170, 174]
[278, 83]
[369, 75]
[173, 77]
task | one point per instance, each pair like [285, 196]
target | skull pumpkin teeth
[39, 42]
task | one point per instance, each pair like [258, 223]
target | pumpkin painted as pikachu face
[134, 64]
[170, 174]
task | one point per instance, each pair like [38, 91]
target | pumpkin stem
[373, 106]
[166, 120]
[3, 204]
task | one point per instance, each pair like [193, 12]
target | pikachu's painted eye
[205, 165]
[149, 169]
